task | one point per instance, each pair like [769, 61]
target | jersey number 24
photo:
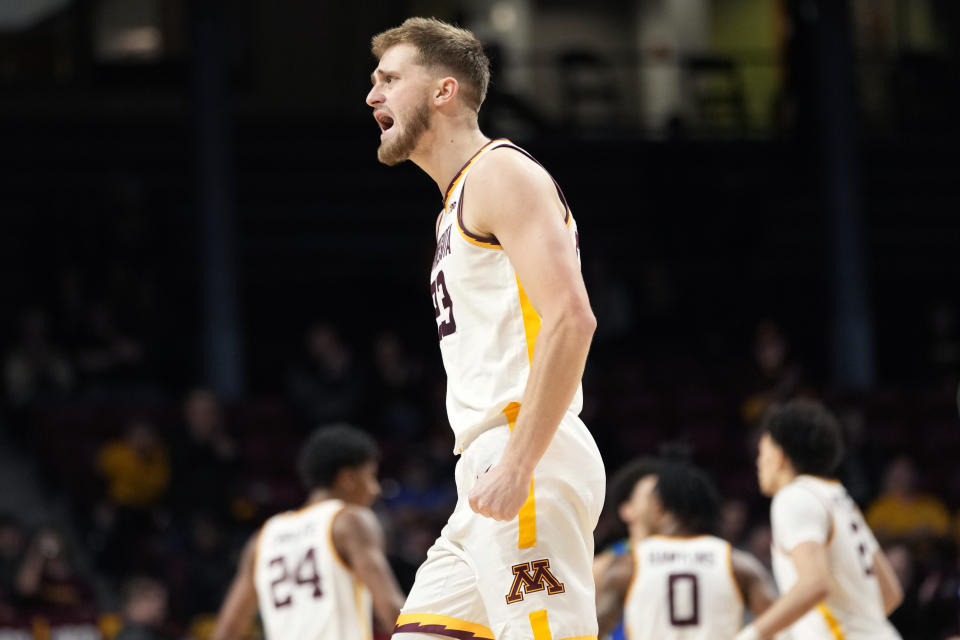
[305, 573]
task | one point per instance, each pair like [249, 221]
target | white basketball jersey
[683, 589]
[304, 589]
[853, 610]
[486, 324]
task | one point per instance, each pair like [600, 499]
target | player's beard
[399, 149]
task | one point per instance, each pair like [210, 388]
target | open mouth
[385, 121]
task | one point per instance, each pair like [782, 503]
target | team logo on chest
[533, 577]
[443, 247]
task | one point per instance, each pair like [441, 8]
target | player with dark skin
[357, 538]
[642, 508]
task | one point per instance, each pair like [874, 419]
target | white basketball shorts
[527, 579]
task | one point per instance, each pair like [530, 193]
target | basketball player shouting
[514, 323]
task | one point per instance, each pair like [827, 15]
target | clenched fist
[500, 492]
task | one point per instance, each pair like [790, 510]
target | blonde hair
[443, 46]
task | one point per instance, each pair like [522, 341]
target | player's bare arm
[812, 586]
[602, 562]
[890, 589]
[513, 199]
[754, 581]
[612, 586]
[358, 538]
[238, 610]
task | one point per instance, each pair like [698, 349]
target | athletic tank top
[853, 610]
[683, 589]
[304, 588]
[485, 322]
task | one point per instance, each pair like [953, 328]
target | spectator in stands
[420, 492]
[11, 552]
[612, 300]
[325, 385]
[136, 468]
[144, 610]
[901, 513]
[778, 378]
[907, 617]
[136, 474]
[733, 521]
[758, 543]
[209, 568]
[938, 585]
[48, 582]
[397, 388]
[35, 367]
[205, 457]
[863, 463]
[106, 357]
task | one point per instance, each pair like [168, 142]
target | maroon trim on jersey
[437, 630]
[556, 184]
[446, 193]
[491, 239]
[436, 233]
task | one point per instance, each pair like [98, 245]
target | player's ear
[445, 90]
[626, 512]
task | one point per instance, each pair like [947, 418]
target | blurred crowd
[146, 492]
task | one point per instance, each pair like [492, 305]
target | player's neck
[784, 477]
[447, 146]
[675, 530]
[638, 531]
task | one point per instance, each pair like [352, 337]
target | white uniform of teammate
[531, 577]
[304, 588]
[819, 510]
[683, 589]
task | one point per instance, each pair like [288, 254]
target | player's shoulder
[352, 519]
[826, 490]
[799, 502]
[353, 528]
[798, 490]
[508, 166]
[820, 482]
[743, 562]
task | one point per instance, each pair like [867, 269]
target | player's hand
[500, 492]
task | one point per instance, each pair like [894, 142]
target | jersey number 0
[684, 599]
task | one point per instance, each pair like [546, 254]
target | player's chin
[388, 154]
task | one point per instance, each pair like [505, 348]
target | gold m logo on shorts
[530, 577]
